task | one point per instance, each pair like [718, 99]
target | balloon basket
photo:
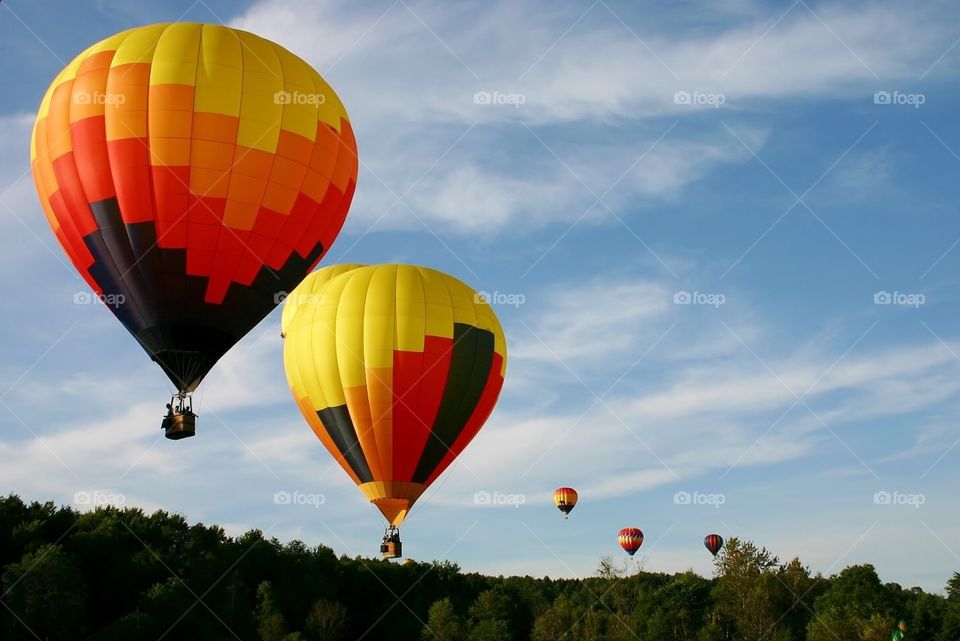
[390, 546]
[180, 421]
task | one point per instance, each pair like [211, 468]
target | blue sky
[787, 194]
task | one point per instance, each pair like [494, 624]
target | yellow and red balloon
[565, 498]
[396, 368]
[630, 539]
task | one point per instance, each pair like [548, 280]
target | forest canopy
[122, 574]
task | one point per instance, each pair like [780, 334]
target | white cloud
[590, 82]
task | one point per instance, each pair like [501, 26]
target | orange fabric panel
[358, 405]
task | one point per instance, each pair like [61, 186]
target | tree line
[122, 574]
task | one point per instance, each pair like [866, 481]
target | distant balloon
[565, 498]
[631, 539]
[713, 543]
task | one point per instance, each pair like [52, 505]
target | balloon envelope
[192, 173]
[630, 539]
[565, 498]
[713, 543]
[395, 368]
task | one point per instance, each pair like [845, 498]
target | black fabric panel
[470, 366]
[164, 307]
[340, 428]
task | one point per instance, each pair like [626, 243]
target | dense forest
[121, 574]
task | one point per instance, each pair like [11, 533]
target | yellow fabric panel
[219, 72]
[107, 44]
[299, 116]
[139, 45]
[410, 310]
[462, 298]
[176, 55]
[298, 363]
[439, 314]
[350, 326]
[330, 110]
[322, 390]
[321, 322]
[308, 291]
[262, 80]
[378, 317]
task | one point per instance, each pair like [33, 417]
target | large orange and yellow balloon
[396, 368]
[191, 173]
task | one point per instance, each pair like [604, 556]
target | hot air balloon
[631, 539]
[565, 498]
[395, 368]
[713, 543]
[192, 173]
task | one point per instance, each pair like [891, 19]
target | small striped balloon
[565, 498]
[631, 539]
[713, 543]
